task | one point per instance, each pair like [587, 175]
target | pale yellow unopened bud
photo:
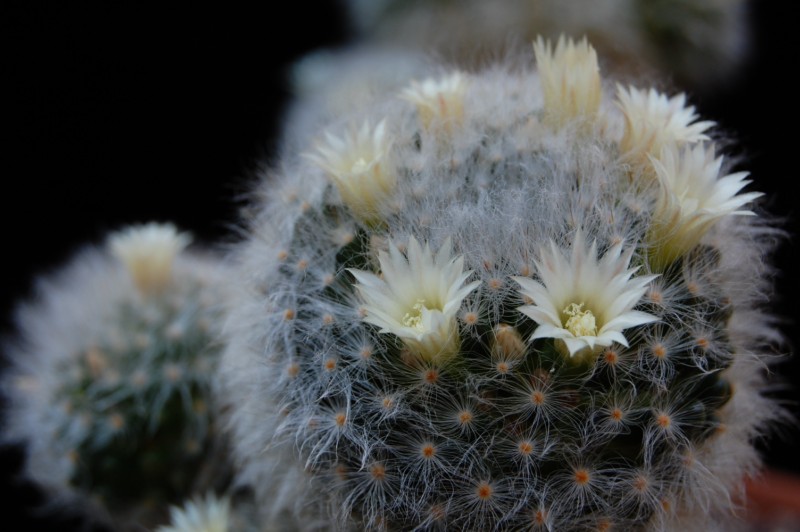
[359, 164]
[148, 252]
[570, 78]
[438, 100]
[508, 343]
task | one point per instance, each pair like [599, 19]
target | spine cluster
[504, 299]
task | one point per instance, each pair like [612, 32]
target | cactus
[110, 385]
[505, 299]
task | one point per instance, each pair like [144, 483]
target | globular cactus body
[110, 385]
[507, 328]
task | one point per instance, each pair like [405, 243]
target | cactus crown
[513, 336]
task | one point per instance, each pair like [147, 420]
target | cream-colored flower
[148, 251]
[692, 198]
[584, 301]
[438, 100]
[653, 121]
[200, 515]
[418, 298]
[570, 78]
[359, 163]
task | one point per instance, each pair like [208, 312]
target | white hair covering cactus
[110, 380]
[502, 344]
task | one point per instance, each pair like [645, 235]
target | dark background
[120, 115]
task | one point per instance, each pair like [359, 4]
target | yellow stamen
[581, 322]
[414, 320]
[360, 166]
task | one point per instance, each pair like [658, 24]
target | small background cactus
[110, 384]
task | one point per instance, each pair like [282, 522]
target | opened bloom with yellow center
[418, 298]
[654, 121]
[148, 252]
[583, 301]
[692, 198]
[359, 165]
[570, 78]
[441, 99]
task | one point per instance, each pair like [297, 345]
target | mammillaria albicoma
[111, 377]
[505, 299]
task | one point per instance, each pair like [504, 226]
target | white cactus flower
[148, 251]
[359, 165]
[570, 78]
[208, 514]
[583, 301]
[653, 121]
[441, 99]
[692, 199]
[418, 298]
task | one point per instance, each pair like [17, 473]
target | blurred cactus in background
[111, 376]
[507, 298]
[696, 42]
